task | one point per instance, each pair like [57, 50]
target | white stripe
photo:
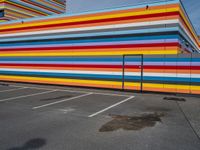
[12, 89]
[12, 98]
[69, 99]
[163, 74]
[107, 73]
[93, 28]
[195, 75]
[92, 115]
[63, 71]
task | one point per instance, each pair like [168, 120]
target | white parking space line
[110, 94]
[13, 98]
[64, 100]
[73, 90]
[9, 90]
[114, 105]
[38, 88]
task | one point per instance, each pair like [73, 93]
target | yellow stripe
[25, 78]
[96, 82]
[153, 85]
[89, 53]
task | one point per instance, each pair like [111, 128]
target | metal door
[132, 72]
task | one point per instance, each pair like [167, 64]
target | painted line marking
[64, 100]
[110, 94]
[70, 90]
[38, 88]
[13, 98]
[114, 105]
[9, 90]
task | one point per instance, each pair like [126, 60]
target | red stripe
[94, 47]
[63, 65]
[104, 66]
[173, 67]
[95, 21]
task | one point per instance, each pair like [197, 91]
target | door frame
[142, 69]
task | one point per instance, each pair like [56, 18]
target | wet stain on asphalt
[4, 84]
[56, 98]
[158, 109]
[174, 99]
[131, 122]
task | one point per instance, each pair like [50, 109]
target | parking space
[5, 88]
[58, 117]
[44, 97]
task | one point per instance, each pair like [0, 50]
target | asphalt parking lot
[46, 117]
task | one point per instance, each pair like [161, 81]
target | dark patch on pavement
[4, 84]
[31, 144]
[158, 109]
[56, 98]
[174, 99]
[131, 122]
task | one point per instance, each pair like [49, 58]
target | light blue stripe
[92, 40]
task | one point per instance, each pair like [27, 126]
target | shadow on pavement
[31, 144]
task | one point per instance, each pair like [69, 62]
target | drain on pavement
[174, 99]
[131, 122]
[56, 98]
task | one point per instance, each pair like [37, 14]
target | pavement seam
[180, 108]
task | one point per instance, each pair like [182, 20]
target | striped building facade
[150, 47]
[21, 9]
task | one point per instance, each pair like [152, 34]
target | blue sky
[77, 6]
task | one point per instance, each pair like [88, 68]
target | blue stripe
[92, 40]
[98, 59]
[101, 76]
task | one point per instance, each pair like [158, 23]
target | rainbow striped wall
[92, 49]
[20, 9]
[162, 73]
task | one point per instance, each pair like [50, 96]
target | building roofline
[160, 2]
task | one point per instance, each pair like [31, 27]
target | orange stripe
[65, 83]
[94, 50]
